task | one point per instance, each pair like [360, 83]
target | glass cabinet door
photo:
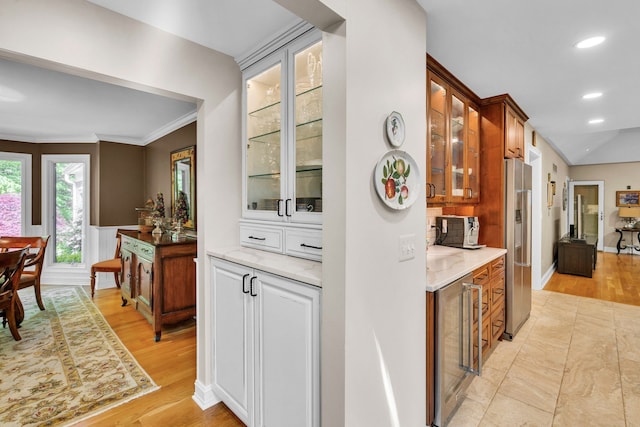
[457, 147]
[437, 143]
[473, 156]
[264, 140]
[307, 129]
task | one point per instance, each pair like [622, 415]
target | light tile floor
[575, 362]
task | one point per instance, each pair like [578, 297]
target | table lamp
[629, 214]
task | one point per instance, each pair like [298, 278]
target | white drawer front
[269, 239]
[304, 243]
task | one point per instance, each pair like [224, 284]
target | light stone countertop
[445, 264]
[299, 269]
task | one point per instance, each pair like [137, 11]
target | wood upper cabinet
[453, 140]
[502, 136]
[506, 122]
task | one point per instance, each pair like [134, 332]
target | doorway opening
[586, 210]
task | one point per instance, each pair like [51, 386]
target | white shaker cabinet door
[287, 365]
[233, 338]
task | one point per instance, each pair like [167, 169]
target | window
[15, 194]
[65, 211]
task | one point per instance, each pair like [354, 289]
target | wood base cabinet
[266, 331]
[159, 275]
[491, 277]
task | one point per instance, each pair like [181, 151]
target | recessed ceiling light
[590, 42]
[592, 95]
[595, 121]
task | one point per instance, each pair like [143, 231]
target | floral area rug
[68, 366]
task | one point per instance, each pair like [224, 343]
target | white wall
[373, 303]
[373, 362]
[554, 224]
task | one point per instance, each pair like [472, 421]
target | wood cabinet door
[127, 278]
[233, 338]
[144, 275]
[287, 365]
[438, 135]
[514, 137]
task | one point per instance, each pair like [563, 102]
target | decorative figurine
[159, 212]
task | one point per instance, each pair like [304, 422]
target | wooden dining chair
[11, 267]
[108, 266]
[35, 260]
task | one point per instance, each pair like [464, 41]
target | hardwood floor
[172, 365]
[172, 361]
[614, 279]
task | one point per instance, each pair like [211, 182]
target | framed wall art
[628, 198]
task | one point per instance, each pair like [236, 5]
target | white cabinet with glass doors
[282, 165]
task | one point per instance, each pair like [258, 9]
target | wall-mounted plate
[395, 129]
[397, 179]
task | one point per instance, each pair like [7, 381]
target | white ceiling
[524, 48]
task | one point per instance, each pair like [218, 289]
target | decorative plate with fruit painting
[397, 179]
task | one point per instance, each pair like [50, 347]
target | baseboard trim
[204, 396]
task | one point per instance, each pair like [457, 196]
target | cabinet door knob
[244, 281]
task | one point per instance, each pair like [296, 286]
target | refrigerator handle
[468, 287]
[526, 245]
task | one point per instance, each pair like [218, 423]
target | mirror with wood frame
[183, 186]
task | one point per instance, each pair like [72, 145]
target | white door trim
[570, 208]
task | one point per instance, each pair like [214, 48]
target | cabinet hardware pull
[287, 207]
[280, 207]
[244, 280]
[251, 287]
[257, 238]
[304, 245]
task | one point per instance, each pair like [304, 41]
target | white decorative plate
[395, 129]
[397, 179]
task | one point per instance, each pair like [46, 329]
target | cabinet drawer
[137, 247]
[485, 303]
[497, 323]
[481, 275]
[304, 243]
[497, 266]
[497, 290]
[269, 239]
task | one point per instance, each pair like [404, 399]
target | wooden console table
[621, 231]
[577, 256]
[159, 275]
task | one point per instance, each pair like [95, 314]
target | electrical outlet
[406, 247]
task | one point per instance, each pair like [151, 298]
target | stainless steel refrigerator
[518, 245]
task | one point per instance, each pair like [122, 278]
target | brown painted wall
[122, 176]
[158, 154]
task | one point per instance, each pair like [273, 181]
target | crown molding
[170, 127]
[274, 43]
